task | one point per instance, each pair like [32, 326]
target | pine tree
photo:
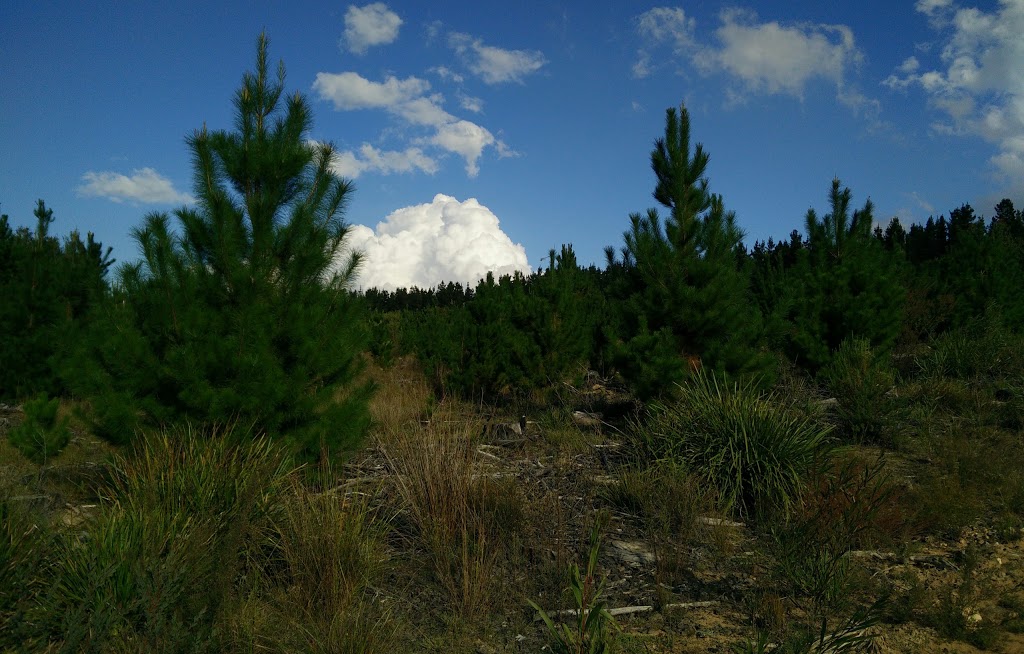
[242, 312]
[686, 300]
[47, 288]
[847, 285]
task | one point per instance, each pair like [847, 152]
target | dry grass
[403, 397]
[458, 513]
[313, 594]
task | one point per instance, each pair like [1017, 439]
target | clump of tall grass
[326, 550]
[669, 501]
[186, 516]
[23, 544]
[752, 446]
[403, 395]
[460, 515]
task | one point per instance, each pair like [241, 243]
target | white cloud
[932, 7]
[425, 110]
[662, 25]
[445, 240]
[373, 24]
[642, 67]
[369, 159]
[466, 139]
[773, 58]
[667, 24]
[447, 74]
[979, 82]
[352, 91]
[144, 185]
[763, 57]
[496, 65]
[408, 100]
[471, 103]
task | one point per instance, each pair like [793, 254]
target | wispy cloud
[471, 103]
[367, 26]
[144, 185]
[352, 164]
[495, 65]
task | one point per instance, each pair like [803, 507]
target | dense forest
[216, 392]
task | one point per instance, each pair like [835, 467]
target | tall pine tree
[241, 311]
[686, 301]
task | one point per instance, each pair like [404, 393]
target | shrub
[42, 434]
[752, 446]
[844, 508]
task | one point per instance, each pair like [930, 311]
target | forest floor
[692, 580]
[727, 592]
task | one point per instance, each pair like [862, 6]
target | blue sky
[482, 134]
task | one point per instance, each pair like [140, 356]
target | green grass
[753, 447]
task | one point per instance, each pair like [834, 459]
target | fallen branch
[627, 610]
[719, 522]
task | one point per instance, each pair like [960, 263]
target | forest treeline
[684, 293]
[241, 308]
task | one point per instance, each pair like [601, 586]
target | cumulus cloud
[445, 240]
[496, 65]
[347, 163]
[978, 83]
[144, 185]
[371, 25]
[411, 101]
[763, 57]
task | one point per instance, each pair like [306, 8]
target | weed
[592, 630]
[952, 615]
[853, 635]
[838, 512]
